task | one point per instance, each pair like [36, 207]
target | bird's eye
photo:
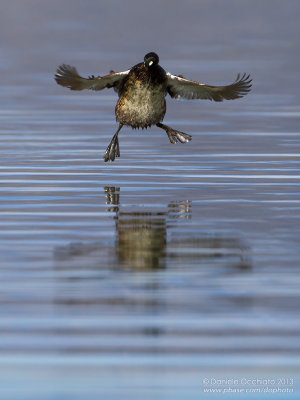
[150, 63]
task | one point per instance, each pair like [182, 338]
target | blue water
[176, 266]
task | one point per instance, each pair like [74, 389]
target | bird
[142, 90]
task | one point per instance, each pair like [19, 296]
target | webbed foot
[175, 136]
[113, 149]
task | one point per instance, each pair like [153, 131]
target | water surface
[141, 278]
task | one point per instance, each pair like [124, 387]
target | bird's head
[151, 59]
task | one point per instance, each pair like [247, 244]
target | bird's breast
[141, 105]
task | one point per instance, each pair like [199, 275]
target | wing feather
[180, 87]
[67, 76]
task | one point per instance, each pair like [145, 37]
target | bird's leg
[113, 149]
[175, 136]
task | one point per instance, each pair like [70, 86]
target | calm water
[140, 279]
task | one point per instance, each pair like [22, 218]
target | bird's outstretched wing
[180, 87]
[68, 76]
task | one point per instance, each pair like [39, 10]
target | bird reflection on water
[142, 241]
[142, 236]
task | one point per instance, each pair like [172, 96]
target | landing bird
[142, 90]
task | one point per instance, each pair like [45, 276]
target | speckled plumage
[142, 90]
[142, 97]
